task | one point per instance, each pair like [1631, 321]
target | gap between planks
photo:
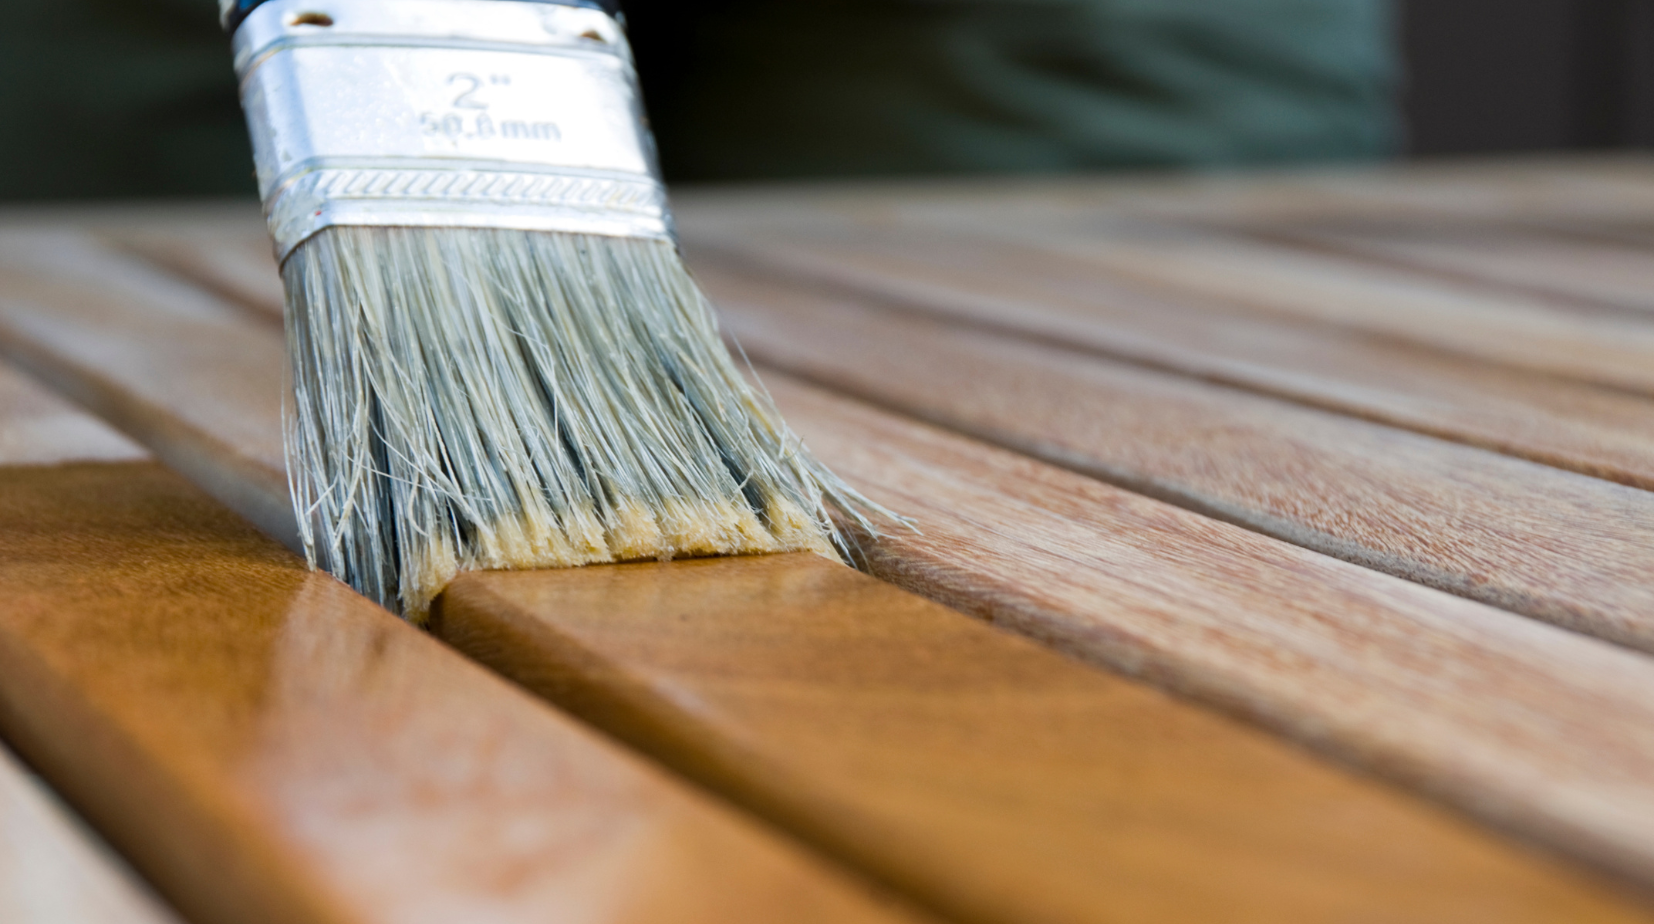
[267, 746]
[1549, 544]
[1032, 295]
[1396, 678]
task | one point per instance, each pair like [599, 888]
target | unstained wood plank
[53, 870]
[1557, 421]
[1532, 727]
[1566, 548]
[1568, 265]
[1600, 346]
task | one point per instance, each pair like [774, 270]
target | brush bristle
[488, 399]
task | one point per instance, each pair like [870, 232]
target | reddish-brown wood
[1541, 731]
[999, 780]
[1562, 547]
[1020, 291]
[1532, 727]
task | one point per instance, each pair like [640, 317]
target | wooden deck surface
[1355, 468]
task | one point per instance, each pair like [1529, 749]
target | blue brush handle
[234, 11]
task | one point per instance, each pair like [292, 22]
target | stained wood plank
[1013, 834]
[1566, 548]
[268, 746]
[1569, 424]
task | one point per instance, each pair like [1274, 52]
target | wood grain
[269, 747]
[159, 359]
[37, 427]
[1562, 547]
[997, 779]
[53, 871]
[1125, 561]
[1601, 347]
[1565, 264]
[1186, 784]
[1568, 424]
[1529, 726]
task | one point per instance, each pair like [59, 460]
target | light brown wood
[1558, 546]
[1347, 659]
[37, 427]
[1603, 347]
[269, 747]
[53, 870]
[223, 248]
[1529, 726]
[1559, 422]
[156, 357]
[1002, 782]
[1574, 265]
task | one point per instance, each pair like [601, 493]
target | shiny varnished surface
[997, 779]
[269, 747]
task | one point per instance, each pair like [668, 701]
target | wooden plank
[998, 780]
[618, 679]
[1587, 189]
[992, 778]
[1554, 545]
[52, 870]
[39, 428]
[1556, 421]
[58, 286]
[1531, 727]
[1601, 347]
[1550, 263]
[269, 747]
[222, 247]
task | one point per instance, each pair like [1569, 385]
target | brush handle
[232, 12]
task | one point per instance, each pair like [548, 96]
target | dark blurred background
[133, 98]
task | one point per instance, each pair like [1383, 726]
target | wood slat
[268, 746]
[998, 781]
[1556, 421]
[57, 286]
[1566, 264]
[1527, 725]
[1595, 346]
[52, 870]
[1554, 545]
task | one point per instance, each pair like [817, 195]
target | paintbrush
[498, 358]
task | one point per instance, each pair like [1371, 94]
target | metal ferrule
[446, 113]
